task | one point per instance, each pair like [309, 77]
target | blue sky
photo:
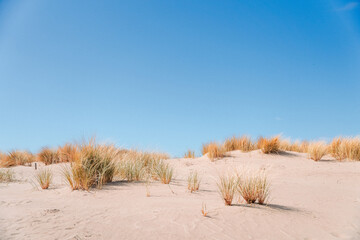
[171, 75]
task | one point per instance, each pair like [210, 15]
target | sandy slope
[310, 200]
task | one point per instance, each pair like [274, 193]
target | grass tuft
[345, 148]
[193, 181]
[48, 156]
[6, 175]
[16, 157]
[44, 178]
[213, 150]
[69, 153]
[189, 154]
[227, 187]
[317, 150]
[254, 186]
[94, 167]
[268, 146]
[204, 211]
[164, 172]
[243, 143]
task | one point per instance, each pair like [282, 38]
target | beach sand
[309, 200]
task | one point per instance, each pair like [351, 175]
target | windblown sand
[309, 200]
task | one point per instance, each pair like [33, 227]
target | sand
[309, 200]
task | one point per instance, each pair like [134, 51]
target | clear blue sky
[170, 75]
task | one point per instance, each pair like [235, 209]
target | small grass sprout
[204, 211]
[193, 181]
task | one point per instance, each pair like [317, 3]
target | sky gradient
[171, 75]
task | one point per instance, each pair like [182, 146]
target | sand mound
[309, 200]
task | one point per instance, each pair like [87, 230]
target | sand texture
[309, 200]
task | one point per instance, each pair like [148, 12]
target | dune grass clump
[44, 178]
[68, 153]
[76, 178]
[48, 156]
[268, 146]
[304, 146]
[350, 148]
[95, 166]
[204, 149]
[243, 143]
[164, 172]
[345, 148]
[137, 166]
[334, 149]
[231, 144]
[3, 160]
[132, 170]
[317, 150]
[193, 181]
[227, 186]
[287, 145]
[189, 154]
[6, 175]
[254, 187]
[213, 150]
[16, 157]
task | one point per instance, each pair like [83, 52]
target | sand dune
[309, 200]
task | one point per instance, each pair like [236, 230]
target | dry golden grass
[132, 169]
[253, 186]
[48, 156]
[69, 153]
[345, 148]
[243, 143]
[350, 148]
[268, 146]
[213, 150]
[16, 157]
[287, 145]
[227, 186]
[95, 166]
[334, 149]
[137, 166]
[231, 144]
[189, 154]
[74, 177]
[160, 155]
[3, 160]
[164, 172]
[193, 181]
[44, 178]
[304, 146]
[204, 148]
[6, 175]
[317, 150]
[247, 189]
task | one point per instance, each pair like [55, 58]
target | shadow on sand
[267, 206]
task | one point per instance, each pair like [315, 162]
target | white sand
[309, 200]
